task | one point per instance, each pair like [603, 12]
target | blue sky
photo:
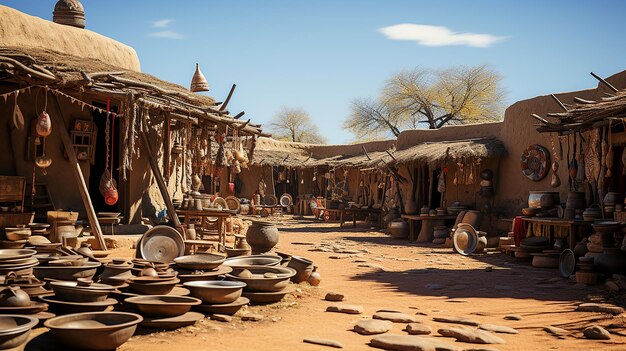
[320, 55]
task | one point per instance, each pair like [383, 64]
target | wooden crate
[12, 189]
[11, 220]
[54, 216]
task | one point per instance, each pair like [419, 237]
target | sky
[320, 55]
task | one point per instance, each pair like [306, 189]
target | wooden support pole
[59, 122]
[230, 95]
[365, 152]
[161, 182]
[559, 102]
[603, 81]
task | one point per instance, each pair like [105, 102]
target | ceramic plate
[233, 204]
[162, 243]
[465, 239]
[35, 307]
[567, 263]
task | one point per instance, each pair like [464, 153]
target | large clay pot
[399, 229]
[611, 261]
[14, 296]
[543, 199]
[303, 267]
[580, 249]
[116, 272]
[410, 207]
[612, 198]
[262, 236]
[576, 200]
[473, 218]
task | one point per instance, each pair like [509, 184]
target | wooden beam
[365, 152]
[559, 102]
[230, 95]
[603, 81]
[160, 181]
[59, 121]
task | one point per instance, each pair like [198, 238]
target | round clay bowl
[68, 262]
[162, 243]
[267, 297]
[152, 286]
[34, 307]
[217, 274]
[265, 278]
[237, 252]
[14, 330]
[67, 307]
[8, 244]
[545, 261]
[73, 292]
[162, 305]
[18, 235]
[202, 262]
[94, 331]
[226, 308]
[171, 323]
[8, 254]
[254, 260]
[67, 273]
[214, 292]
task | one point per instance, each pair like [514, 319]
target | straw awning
[437, 152]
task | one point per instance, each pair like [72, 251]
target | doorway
[97, 169]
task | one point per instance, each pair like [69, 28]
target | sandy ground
[377, 272]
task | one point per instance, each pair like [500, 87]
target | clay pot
[14, 330]
[472, 218]
[592, 213]
[410, 207]
[399, 229]
[611, 261]
[576, 200]
[315, 278]
[580, 249]
[14, 296]
[262, 236]
[215, 292]
[543, 199]
[612, 198]
[116, 273]
[264, 278]
[303, 267]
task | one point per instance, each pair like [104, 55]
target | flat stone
[456, 320]
[395, 317]
[252, 317]
[418, 329]
[472, 336]
[410, 343]
[334, 296]
[221, 318]
[498, 329]
[513, 317]
[556, 331]
[600, 307]
[482, 349]
[596, 332]
[360, 261]
[372, 327]
[342, 308]
[323, 342]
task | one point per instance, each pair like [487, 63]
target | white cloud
[437, 36]
[168, 34]
[164, 23]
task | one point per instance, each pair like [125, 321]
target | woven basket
[586, 278]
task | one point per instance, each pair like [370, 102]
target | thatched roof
[375, 158]
[437, 152]
[584, 114]
[18, 29]
[271, 152]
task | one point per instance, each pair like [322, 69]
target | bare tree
[295, 124]
[430, 98]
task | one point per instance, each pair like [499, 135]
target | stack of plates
[20, 261]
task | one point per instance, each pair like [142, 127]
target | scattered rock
[360, 261]
[334, 296]
[488, 269]
[372, 327]
[323, 342]
[556, 331]
[395, 317]
[482, 349]
[418, 329]
[349, 309]
[434, 286]
[252, 317]
[410, 343]
[373, 266]
[473, 336]
[596, 332]
[456, 320]
[600, 307]
[498, 329]
[349, 251]
[513, 317]
[221, 318]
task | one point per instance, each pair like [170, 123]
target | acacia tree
[295, 124]
[431, 98]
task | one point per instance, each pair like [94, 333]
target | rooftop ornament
[199, 82]
[69, 13]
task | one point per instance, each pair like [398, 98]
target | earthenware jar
[591, 213]
[576, 200]
[580, 249]
[14, 296]
[303, 267]
[190, 233]
[399, 229]
[611, 261]
[262, 236]
[315, 278]
[116, 272]
[410, 206]
[543, 199]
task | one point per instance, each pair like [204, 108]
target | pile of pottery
[15, 238]
[613, 202]
[61, 266]
[20, 261]
[264, 284]
[531, 245]
[15, 300]
[15, 330]
[586, 273]
[200, 267]
[82, 295]
[542, 204]
[440, 233]
[486, 184]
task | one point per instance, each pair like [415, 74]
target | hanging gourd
[111, 196]
[43, 162]
[108, 185]
[44, 125]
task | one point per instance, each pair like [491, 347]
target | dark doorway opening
[98, 168]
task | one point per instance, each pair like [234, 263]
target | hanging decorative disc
[534, 162]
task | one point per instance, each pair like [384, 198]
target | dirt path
[377, 272]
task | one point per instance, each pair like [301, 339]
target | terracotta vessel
[117, 272]
[315, 278]
[264, 278]
[543, 199]
[14, 296]
[162, 305]
[399, 229]
[203, 262]
[303, 268]
[576, 200]
[262, 236]
[14, 330]
[215, 292]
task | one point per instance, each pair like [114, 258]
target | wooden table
[575, 228]
[352, 213]
[201, 216]
[333, 214]
[428, 224]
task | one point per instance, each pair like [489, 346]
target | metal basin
[94, 330]
[213, 292]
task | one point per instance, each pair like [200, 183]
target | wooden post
[59, 122]
[161, 183]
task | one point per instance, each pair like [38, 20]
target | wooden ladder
[41, 203]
